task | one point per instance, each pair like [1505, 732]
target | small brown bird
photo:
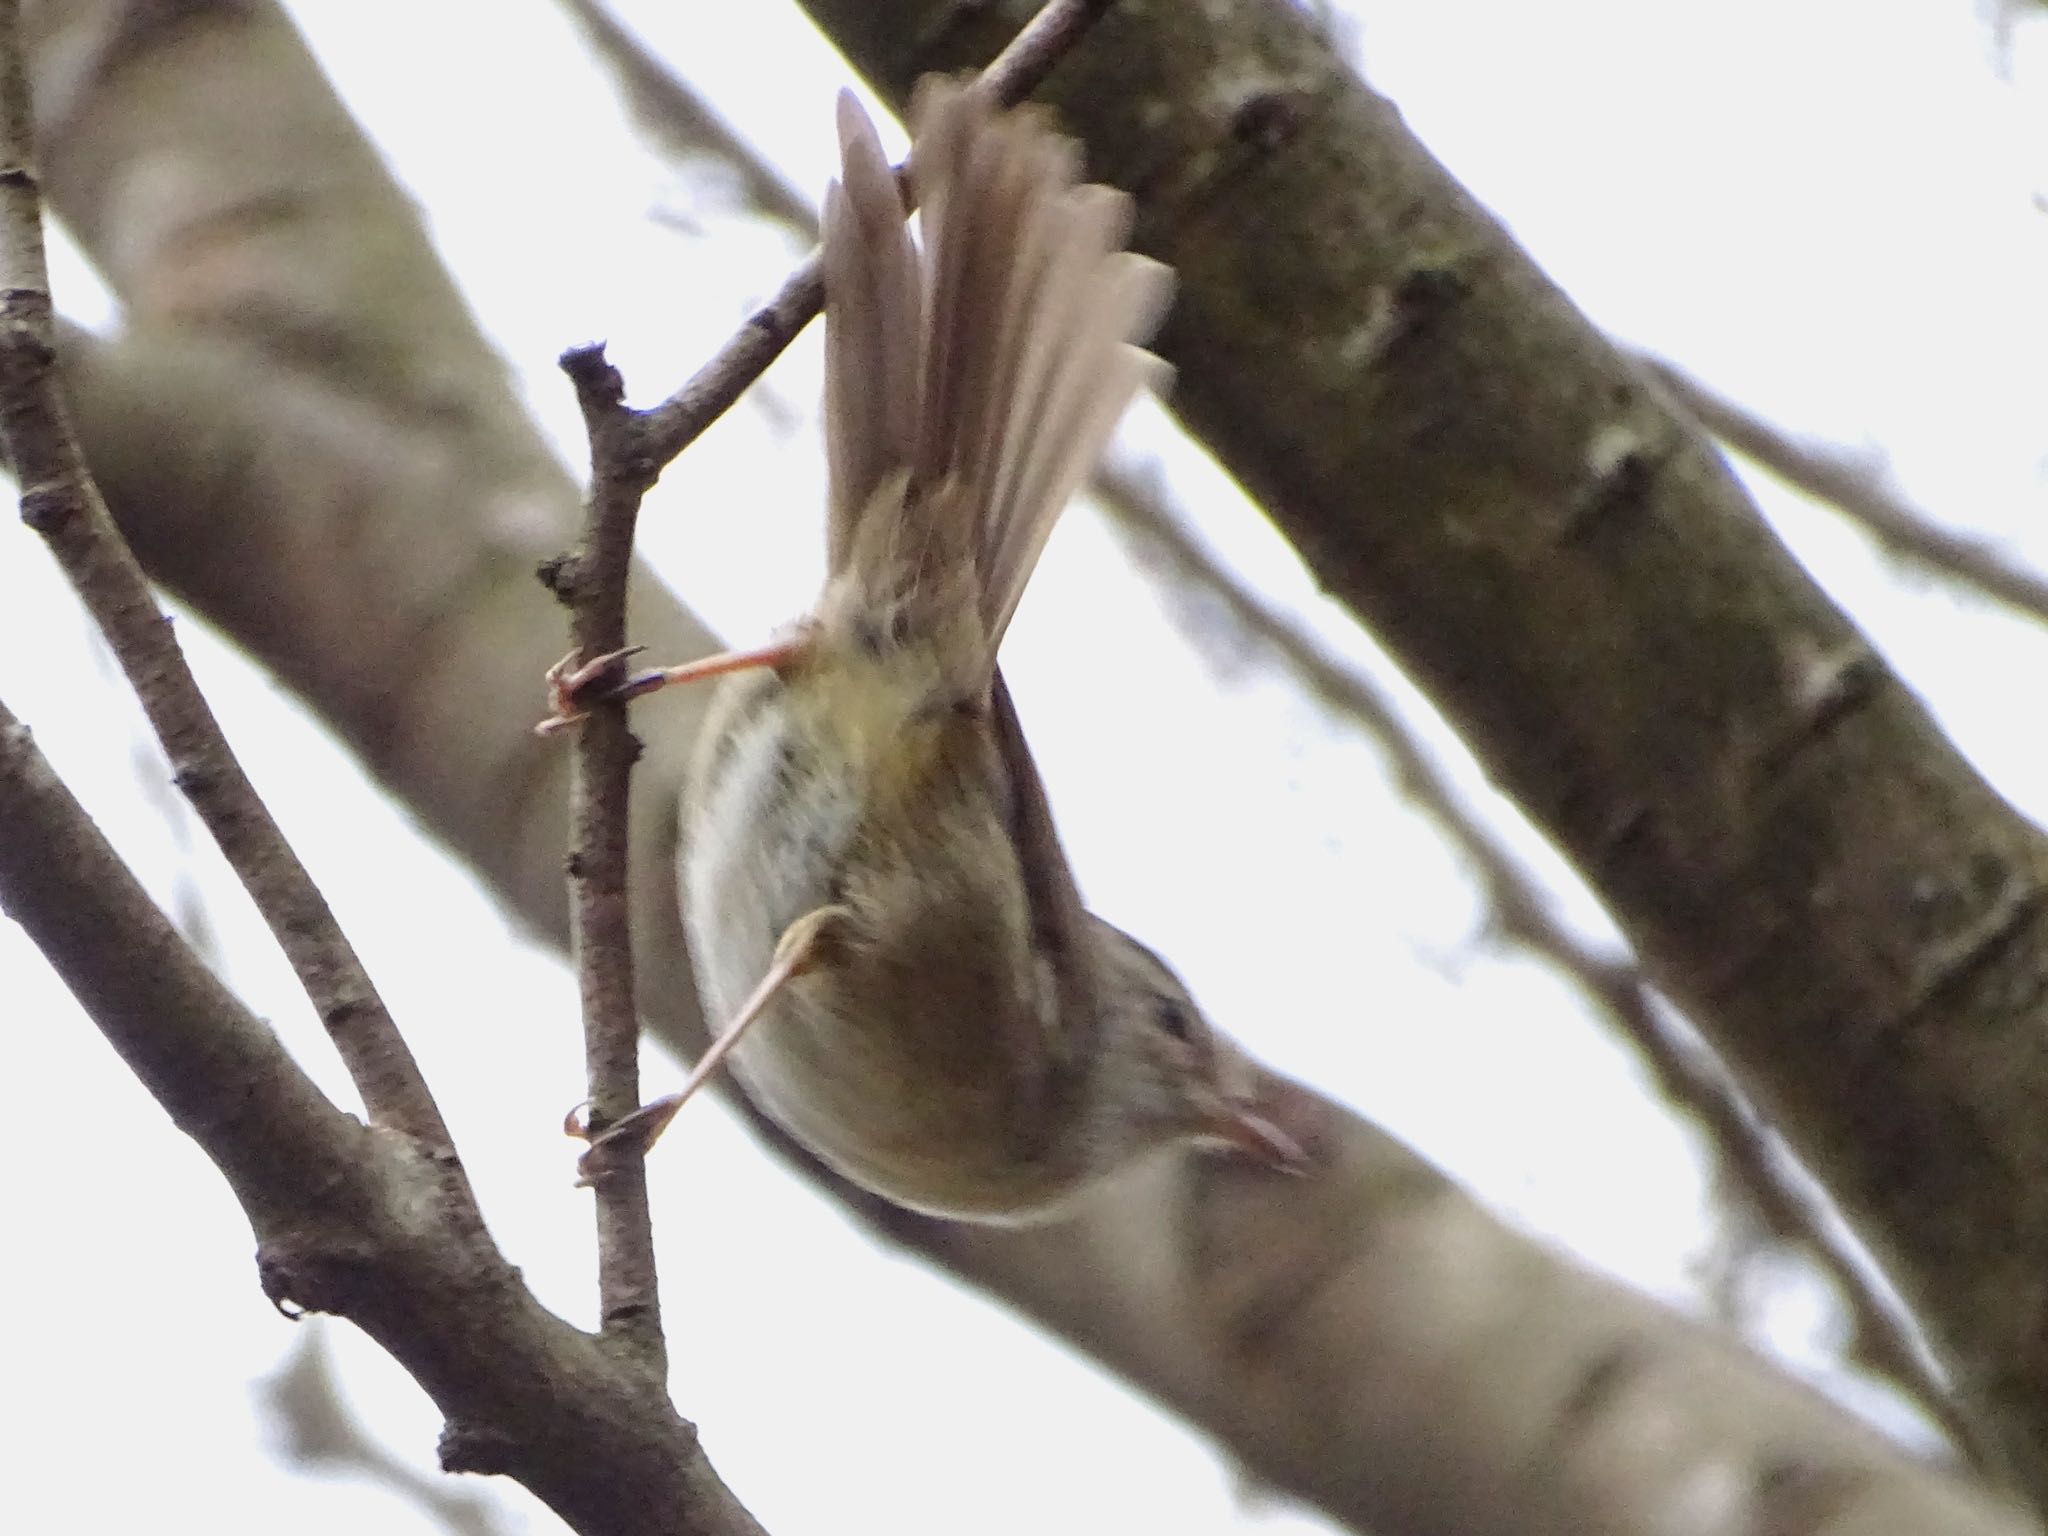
[875, 897]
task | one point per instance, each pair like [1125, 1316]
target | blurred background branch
[1856, 486]
[317, 1432]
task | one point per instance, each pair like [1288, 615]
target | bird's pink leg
[804, 943]
[574, 686]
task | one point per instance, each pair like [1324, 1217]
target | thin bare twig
[593, 582]
[61, 503]
[682, 418]
[220, 1074]
[1854, 490]
[1684, 1067]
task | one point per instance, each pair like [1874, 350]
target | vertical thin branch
[709, 393]
[593, 582]
[61, 503]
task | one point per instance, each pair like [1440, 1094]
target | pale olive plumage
[969, 1040]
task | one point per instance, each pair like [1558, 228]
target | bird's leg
[573, 685]
[803, 945]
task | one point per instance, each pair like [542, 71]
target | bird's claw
[574, 685]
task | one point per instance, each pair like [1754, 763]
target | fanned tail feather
[874, 292]
[992, 368]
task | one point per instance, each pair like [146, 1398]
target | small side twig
[60, 501]
[1686, 1071]
[708, 394]
[1860, 494]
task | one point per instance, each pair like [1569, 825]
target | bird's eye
[1171, 1015]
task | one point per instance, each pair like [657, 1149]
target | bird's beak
[1250, 1134]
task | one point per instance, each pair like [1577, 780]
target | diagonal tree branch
[317, 1430]
[371, 1225]
[1853, 917]
[1685, 1071]
[60, 501]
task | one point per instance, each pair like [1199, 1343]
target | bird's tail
[971, 385]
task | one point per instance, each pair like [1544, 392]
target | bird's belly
[913, 1057]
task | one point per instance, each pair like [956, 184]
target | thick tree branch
[222, 1077]
[1685, 1071]
[1853, 918]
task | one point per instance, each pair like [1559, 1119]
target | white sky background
[1825, 209]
